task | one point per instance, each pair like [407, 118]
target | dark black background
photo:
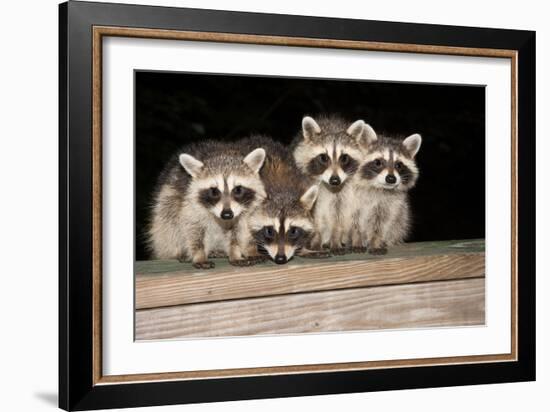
[448, 202]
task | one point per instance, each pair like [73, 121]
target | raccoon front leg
[376, 244]
[253, 255]
[243, 250]
[356, 240]
[200, 261]
[237, 258]
[314, 248]
[199, 256]
[336, 242]
[316, 243]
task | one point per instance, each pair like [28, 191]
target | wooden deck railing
[424, 284]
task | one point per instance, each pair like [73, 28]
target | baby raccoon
[389, 171]
[330, 150]
[200, 196]
[282, 225]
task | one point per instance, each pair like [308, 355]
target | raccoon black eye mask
[321, 162]
[269, 237]
[243, 195]
[209, 197]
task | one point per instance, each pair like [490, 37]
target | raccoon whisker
[262, 251]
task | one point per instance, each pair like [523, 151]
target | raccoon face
[282, 231]
[226, 191]
[390, 165]
[331, 153]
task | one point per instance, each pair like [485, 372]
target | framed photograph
[256, 206]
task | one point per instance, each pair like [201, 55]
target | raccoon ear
[310, 128]
[362, 132]
[255, 159]
[309, 197]
[412, 144]
[356, 129]
[369, 134]
[190, 164]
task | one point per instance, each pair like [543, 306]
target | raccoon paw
[204, 265]
[378, 250]
[338, 251]
[244, 262]
[257, 259]
[358, 249]
[320, 254]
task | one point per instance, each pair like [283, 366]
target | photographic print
[256, 205]
[269, 205]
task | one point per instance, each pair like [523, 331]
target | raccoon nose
[227, 214]
[334, 180]
[280, 259]
[391, 179]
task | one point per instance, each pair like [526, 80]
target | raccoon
[330, 150]
[200, 196]
[282, 225]
[389, 171]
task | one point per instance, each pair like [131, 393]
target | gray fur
[381, 214]
[186, 227]
[290, 196]
[332, 137]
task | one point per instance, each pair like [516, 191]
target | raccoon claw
[378, 251]
[321, 254]
[358, 249]
[244, 262]
[338, 251]
[257, 259]
[241, 262]
[204, 265]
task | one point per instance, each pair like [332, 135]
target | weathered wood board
[448, 303]
[427, 284]
[168, 283]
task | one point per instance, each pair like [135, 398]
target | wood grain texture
[446, 303]
[99, 32]
[404, 265]
[97, 211]
[183, 288]
[445, 247]
[298, 41]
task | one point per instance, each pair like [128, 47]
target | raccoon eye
[323, 158]
[269, 232]
[398, 166]
[238, 191]
[214, 192]
[344, 159]
[295, 232]
[378, 162]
